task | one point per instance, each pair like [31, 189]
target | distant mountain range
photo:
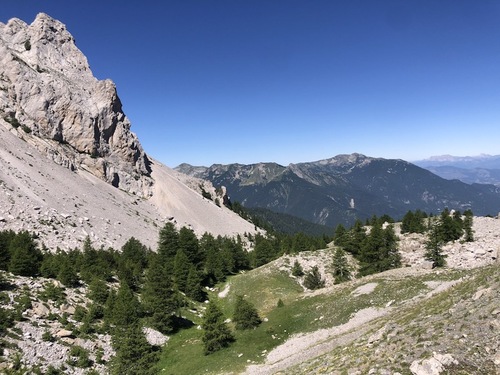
[482, 169]
[346, 187]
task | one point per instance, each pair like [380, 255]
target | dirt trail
[300, 348]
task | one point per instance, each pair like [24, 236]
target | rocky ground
[63, 207]
[426, 335]
[452, 325]
[49, 328]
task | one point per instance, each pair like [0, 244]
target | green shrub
[313, 279]
[80, 357]
[47, 336]
[26, 128]
[245, 314]
[13, 121]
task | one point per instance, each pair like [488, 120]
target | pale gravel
[64, 207]
[301, 347]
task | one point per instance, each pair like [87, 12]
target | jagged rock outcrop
[51, 98]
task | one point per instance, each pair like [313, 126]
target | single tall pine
[216, 333]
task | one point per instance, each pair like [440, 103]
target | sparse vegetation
[313, 280]
[275, 306]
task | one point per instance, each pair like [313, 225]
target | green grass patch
[301, 313]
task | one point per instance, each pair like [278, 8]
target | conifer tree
[227, 257]
[25, 257]
[188, 242]
[450, 228]
[263, 251]
[67, 273]
[341, 270]
[134, 355]
[245, 314]
[6, 237]
[126, 308]
[98, 291]
[181, 270]
[356, 238]
[194, 289]
[297, 269]
[216, 333]
[214, 264]
[160, 300]
[109, 307]
[313, 279]
[467, 225]
[168, 244]
[340, 235]
[134, 251]
[434, 252]
[240, 256]
[379, 252]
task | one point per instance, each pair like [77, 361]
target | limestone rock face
[51, 98]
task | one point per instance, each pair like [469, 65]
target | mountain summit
[70, 166]
[347, 187]
[48, 87]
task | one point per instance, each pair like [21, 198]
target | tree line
[375, 243]
[135, 286]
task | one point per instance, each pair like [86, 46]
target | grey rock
[51, 89]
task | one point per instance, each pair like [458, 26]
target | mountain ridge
[482, 169]
[343, 188]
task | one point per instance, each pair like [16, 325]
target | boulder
[432, 366]
[63, 333]
[40, 309]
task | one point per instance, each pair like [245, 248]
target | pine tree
[134, 251]
[341, 270]
[134, 355]
[245, 314]
[126, 308]
[355, 239]
[160, 300]
[413, 222]
[214, 264]
[467, 225]
[434, 252]
[313, 279]
[98, 291]
[340, 237]
[25, 257]
[6, 237]
[181, 270]
[193, 285]
[390, 255]
[370, 253]
[216, 333]
[297, 269]
[450, 228]
[91, 263]
[67, 274]
[379, 252]
[240, 255]
[188, 242]
[263, 251]
[168, 244]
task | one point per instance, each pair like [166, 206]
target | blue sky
[212, 81]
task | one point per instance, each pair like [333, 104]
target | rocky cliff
[70, 168]
[48, 92]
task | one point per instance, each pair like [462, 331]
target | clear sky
[213, 81]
